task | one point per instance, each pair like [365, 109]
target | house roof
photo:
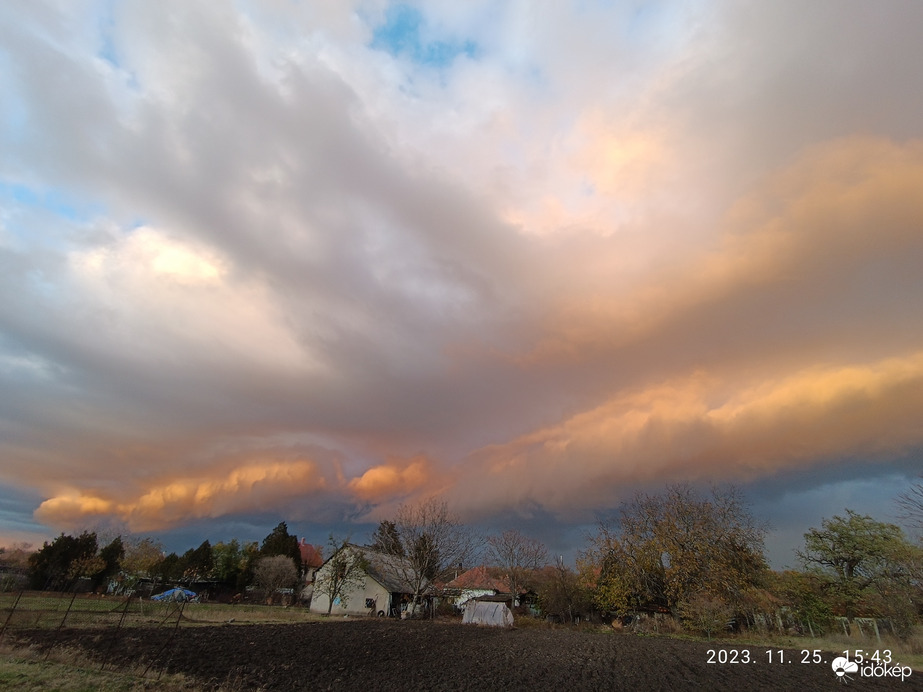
[478, 578]
[390, 571]
[310, 554]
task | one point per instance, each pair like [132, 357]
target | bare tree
[14, 564]
[430, 540]
[562, 592]
[911, 505]
[16, 556]
[518, 555]
[276, 572]
[344, 571]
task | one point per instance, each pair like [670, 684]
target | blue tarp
[175, 595]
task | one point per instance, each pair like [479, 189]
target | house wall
[467, 594]
[355, 600]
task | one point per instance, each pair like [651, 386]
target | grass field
[69, 671]
[38, 610]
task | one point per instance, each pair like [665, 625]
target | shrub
[706, 613]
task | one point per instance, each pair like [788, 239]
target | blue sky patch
[401, 36]
[107, 28]
[50, 199]
[16, 506]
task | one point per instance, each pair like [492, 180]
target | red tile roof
[478, 578]
[310, 554]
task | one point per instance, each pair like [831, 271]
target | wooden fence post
[67, 612]
[10, 616]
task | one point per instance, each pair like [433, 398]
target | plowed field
[372, 654]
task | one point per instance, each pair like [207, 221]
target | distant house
[477, 583]
[311, 558]
[383, 590]
[311, 561]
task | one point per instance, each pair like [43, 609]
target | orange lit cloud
[793, 343]
[621, 160]
[250, 487]
[396, 478]
[702, 428]
[795, 243]
[751, 372]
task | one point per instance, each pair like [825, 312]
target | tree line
[696, 556]
[121, 563]
[701, 558]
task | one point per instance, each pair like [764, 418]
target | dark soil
[408, 655]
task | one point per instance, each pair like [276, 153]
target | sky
[266, 260]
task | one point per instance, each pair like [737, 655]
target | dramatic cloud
[695, 429]
[318, 260]
[393, 479]
[246, 487]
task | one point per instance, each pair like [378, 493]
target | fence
[866, 627]
[34, 613]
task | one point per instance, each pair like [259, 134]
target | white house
[382, 591]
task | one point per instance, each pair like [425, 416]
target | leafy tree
[198, 563]
[705, 613]
[281, 542]
[601, 573]
[759, 601]
[85, 567]
[141, 555]
[59, 564]
[518, 556]
[227, 561]
[111, 556]
[343, 572]
[169, 569]
[431, 540]
[387, 540]
[864, 557]
[274, 573]
[252, 554]
[234, 563]
[669, 548]
[804, 594]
